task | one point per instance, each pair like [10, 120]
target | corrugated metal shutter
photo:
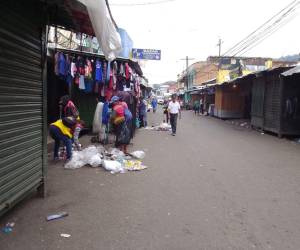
[272, 104]
[21, 106]
[257, 105]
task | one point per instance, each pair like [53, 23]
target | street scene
[149, 125]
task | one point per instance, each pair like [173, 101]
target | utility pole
[220, 45]
[187, 59]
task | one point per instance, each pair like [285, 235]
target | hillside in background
[290, 58]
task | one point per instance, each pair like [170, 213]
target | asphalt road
[212, 186]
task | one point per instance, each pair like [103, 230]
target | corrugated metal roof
[295, 70]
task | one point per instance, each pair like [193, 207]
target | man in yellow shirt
[61, 130]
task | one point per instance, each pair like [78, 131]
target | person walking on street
[201, 106]
[174, 110]
[166, 112]
[143, 112]
[154, 104]
[197, 107]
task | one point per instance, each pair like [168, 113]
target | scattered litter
[7, 230]
[65, 235]
[134, 165]
[297, 140]
[138, 154]
[162, 127]
[95, 161]
[10, 224]
[114, 161]
[262, 133]
[113, 166]
[56, 216]
[89, 156]
[8, 227]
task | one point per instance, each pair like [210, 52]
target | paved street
[213, 186]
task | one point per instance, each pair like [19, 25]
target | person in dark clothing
[166, 112]
[143, 113]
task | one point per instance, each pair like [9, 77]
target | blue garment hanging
[98, 73]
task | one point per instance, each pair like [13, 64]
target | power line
[279, 23]
[247, 38]
[267, 35]
[141, 4]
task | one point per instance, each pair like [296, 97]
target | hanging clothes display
[95, 75]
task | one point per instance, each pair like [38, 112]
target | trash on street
[8, 227]
[91, 156]
[65, 235]
[138, 154]
[56, 216]
[134, 165]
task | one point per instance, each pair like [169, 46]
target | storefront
[233, 99]
[275, 101]
[87, 78]
[23, 91]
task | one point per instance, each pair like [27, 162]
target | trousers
[173, 121]
[58, 136]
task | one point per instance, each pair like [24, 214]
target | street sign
[146, 54]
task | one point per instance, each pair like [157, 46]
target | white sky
[192, 27]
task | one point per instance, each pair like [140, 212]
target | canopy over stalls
[89, 17]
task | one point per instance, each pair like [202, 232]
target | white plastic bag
[139, 154]
[106, 33]
[95, 161]
[88, 156]
[97, 123]
[113, 166]
[76, 161]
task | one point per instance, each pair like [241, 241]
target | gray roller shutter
[21, 106]
[272, 104]
[258, 99]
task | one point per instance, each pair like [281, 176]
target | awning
[89, 17]
[136, 67]
[293, 71]
[70, 14]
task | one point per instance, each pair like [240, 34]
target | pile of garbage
[114, 161]
[162, 127]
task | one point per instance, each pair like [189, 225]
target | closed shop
[22, 158]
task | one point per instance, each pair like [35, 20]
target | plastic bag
[113, 166]
[76, 161]
[132, 165]
[139, 154]
[88, 156]
[95, 161]
[97, 122]
[106, 33]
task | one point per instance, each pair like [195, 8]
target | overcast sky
[193, 27]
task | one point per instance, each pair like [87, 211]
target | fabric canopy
[105, 31]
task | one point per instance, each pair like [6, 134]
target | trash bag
[95, 161]
[138, 154]
[113, 166]
[88, 156]
[97, 122]
[76, 161]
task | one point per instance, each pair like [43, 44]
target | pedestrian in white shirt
[174, 110]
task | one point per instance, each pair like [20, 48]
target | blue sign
[146, 54]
